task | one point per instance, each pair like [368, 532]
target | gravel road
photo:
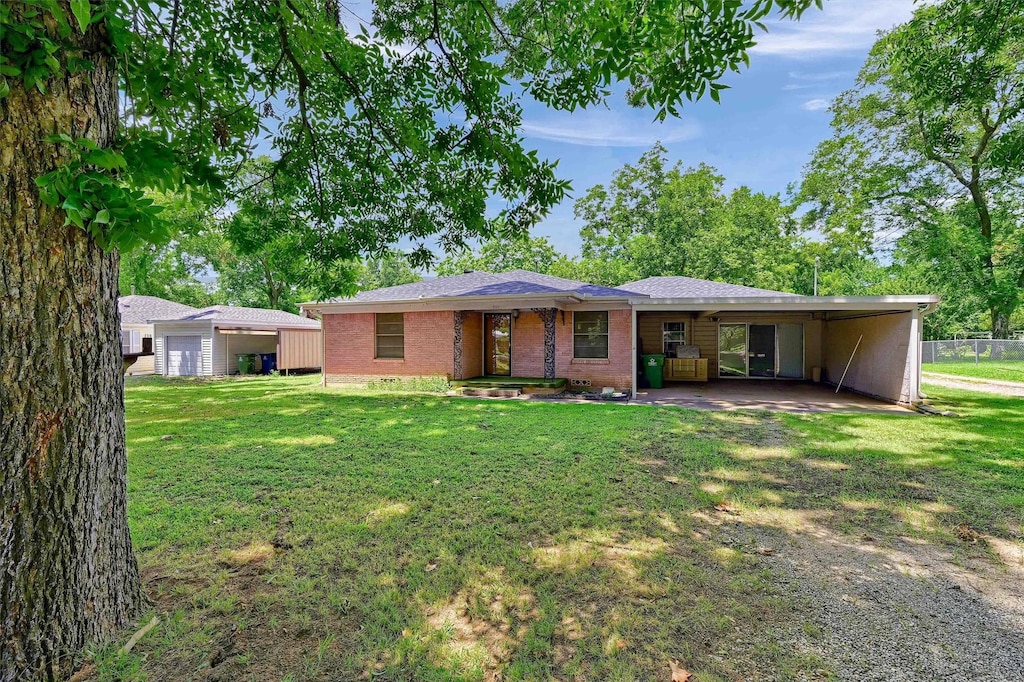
[1006, 388]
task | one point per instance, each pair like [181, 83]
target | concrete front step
[490, 392]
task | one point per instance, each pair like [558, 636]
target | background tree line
[918, 191]
[246, 254]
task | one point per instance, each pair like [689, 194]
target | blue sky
[761, 134]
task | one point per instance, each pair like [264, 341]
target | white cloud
[823, 76]
[609, 128]
[793, 86]
[842, 26]
[816, 104]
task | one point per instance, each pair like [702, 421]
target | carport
[208, 342]
[871, 344]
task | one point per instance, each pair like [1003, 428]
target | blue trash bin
[268, 362]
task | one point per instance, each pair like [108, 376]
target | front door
[498, 344]
[761, 350]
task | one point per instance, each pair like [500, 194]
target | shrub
[434, 384]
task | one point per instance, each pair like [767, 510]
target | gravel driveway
[1007, 388]
[906, 611]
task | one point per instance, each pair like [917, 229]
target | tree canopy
[928, 153]
[503, 252]
[400, 124]
[658, 220]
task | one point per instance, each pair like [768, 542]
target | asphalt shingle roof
[688, 287]
[514, 282]
[228, 313]
[141, 309]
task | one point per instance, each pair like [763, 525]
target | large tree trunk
[68, 577]
[1000, 324]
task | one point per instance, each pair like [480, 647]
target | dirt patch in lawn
[480, 625]
[602, 549]
[228, 624]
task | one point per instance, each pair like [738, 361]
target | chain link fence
[973, 350]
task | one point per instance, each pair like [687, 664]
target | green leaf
[102, 216]
[81, 10]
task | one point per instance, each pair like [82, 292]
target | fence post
[976, 355]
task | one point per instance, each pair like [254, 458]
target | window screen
[390, 335]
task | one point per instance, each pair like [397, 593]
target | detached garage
[208, 342]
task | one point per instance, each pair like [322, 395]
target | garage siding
[300, 349]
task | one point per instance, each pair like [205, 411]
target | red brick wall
[429, 336]
[472, 345]
[349, 347]
[616, 371]
[528, 345]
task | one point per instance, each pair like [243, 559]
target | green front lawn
[1001, 371]
[286, 531]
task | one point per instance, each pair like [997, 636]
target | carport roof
[786, 303]
[238, 315]
[688, 287]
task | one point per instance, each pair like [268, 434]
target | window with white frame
[590, 334]
[131, 341]
[673, 335]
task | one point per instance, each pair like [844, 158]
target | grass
[287, 531]
[1001, 371]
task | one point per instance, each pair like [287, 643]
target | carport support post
[915, 357]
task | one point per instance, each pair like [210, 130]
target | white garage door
[184, 355]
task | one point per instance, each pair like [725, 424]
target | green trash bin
[654, 368]
[247, 363]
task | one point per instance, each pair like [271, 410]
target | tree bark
[1000, 323]
[68, 577]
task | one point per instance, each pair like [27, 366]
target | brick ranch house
[524, 324]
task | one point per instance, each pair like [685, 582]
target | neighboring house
[137, 330]
[208, 342]
[523, 324]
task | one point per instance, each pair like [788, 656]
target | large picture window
[390, 335]
[590, 334]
